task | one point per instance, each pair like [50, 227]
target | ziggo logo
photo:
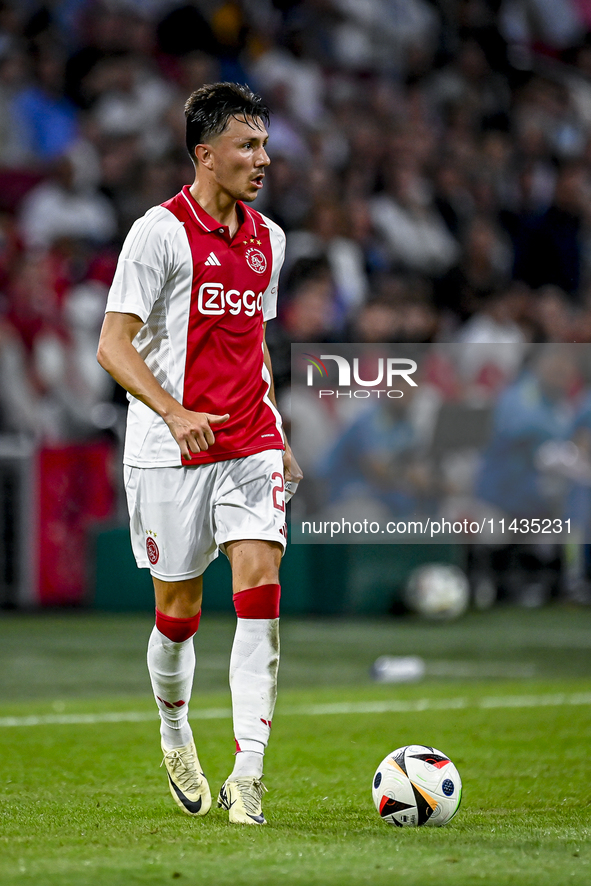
[213, 299]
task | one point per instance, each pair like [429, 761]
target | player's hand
[193, 430]
[293, 472]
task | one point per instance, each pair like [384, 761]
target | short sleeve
[145, 263]
[277, 240]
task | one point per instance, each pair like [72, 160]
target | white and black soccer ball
[438, 591]
[417, 785]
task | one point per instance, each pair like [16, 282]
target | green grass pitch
[507, 695]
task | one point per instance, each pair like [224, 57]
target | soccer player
[206, 461]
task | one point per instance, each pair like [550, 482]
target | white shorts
[180, 516]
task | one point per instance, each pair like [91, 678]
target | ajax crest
[152, 551]
[256, 260]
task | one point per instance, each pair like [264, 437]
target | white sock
[248, 763]
[253, 682]
[172, 666]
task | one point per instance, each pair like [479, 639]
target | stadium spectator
[47, 120]
[415, 234]
[498, 320]
[61, 207]
[15, 148]
[483, 269]
[326, 237]
[131, 100]
[558, 240]
[539, 406]
[374, 468]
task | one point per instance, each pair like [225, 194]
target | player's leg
[171, 665]
[161, 503]
[249, 520]
[171, 655]
[255, 652]
[253, 671]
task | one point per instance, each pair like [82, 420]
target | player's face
[239, 158]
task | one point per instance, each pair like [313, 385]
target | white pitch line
[90, 719]
[321, 710]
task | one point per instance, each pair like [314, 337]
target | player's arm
[116, 353]
[293, 472]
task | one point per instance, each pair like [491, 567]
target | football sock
[171, 664]
[248, 763]
[253, 674]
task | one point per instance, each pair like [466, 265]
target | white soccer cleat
[241, 797]
[188, 785]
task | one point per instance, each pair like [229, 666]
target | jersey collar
[246, 218]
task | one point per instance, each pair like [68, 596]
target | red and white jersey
[203, 297]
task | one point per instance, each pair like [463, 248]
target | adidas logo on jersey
[212, 259]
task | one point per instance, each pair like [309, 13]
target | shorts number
[277, 491]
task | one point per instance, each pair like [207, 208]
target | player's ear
[203, 155]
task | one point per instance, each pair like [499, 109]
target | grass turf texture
[87, 803]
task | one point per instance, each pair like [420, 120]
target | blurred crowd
[483, 434]
[494, 439]
[431, 165]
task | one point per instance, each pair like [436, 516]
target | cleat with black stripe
[241, 797]
[188, 785]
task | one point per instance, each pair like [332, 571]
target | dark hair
[208, 110]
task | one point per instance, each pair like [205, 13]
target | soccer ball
[437, 591]
[417, 785]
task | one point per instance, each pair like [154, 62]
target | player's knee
[261, 601]
[177, 629]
